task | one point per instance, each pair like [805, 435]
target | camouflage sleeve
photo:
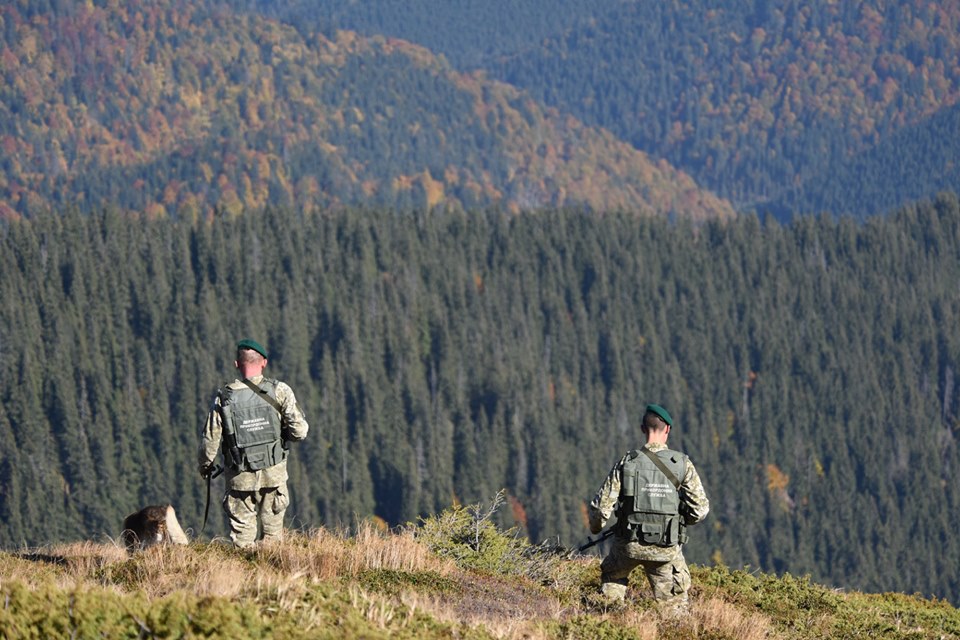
[605, 501]
[210, 437]
[294, 422]
[694, 498]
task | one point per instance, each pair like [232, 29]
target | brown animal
[152, 525]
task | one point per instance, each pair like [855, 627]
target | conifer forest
[811, 369]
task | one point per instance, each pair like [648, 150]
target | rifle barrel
[591, 541]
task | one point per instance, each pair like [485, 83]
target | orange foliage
[777, 480]
[379, 524]
[584, 515]
[433, 188]
[519, 513]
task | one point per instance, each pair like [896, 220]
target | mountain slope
[166, 107]
[464, 31]
[914, 162]
[751, 100]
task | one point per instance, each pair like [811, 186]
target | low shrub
[469, 537]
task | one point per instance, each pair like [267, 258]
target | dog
[152, 525]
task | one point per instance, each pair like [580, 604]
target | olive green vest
[251, 428]
[649, 508]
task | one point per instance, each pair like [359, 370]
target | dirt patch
[490, 597]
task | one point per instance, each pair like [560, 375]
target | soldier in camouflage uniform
[252, 420]
[662, 561]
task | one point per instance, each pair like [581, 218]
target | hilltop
[426, 582]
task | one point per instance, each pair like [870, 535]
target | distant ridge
[914, 162]
[169, 108]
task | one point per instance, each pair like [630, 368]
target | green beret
[247, 343]
[660, 411]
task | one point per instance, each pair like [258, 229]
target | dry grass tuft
[504, 627]
[645, 623]
[318, 555]
[719, 618]
[164, 569]
[395, 552]
[323, 555]
[66, 565]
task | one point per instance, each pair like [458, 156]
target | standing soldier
[656, 493]
[253, 419]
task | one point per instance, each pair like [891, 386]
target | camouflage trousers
[250, 510]
[665, 568]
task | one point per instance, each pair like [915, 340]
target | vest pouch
[654, 529]
[628, 488]
[257, 458]
[263, 456]
[645, 528]
[671, 536]
[651, 533]
[279, 451]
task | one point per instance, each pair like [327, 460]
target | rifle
[211, 474]
[595, 541]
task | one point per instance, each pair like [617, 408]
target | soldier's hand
[206, 468]
[596, 525]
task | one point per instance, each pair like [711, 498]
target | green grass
[452, 576]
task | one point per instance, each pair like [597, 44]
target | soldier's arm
[210, 438]
[605, 501]
[694, 498]
[295, 425]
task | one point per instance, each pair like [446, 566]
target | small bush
[468, 536]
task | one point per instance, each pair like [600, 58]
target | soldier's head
[656, 422]
[251, 358]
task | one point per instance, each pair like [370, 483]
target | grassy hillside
[428, 581]
[176, 108]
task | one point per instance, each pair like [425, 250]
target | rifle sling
[655, 459]
[263, 394]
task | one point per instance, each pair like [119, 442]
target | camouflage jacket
[294, 425]
[693, 498]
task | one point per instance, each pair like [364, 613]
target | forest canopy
[810, 368]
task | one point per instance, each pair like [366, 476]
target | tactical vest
[251, 428]
[649, 508]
